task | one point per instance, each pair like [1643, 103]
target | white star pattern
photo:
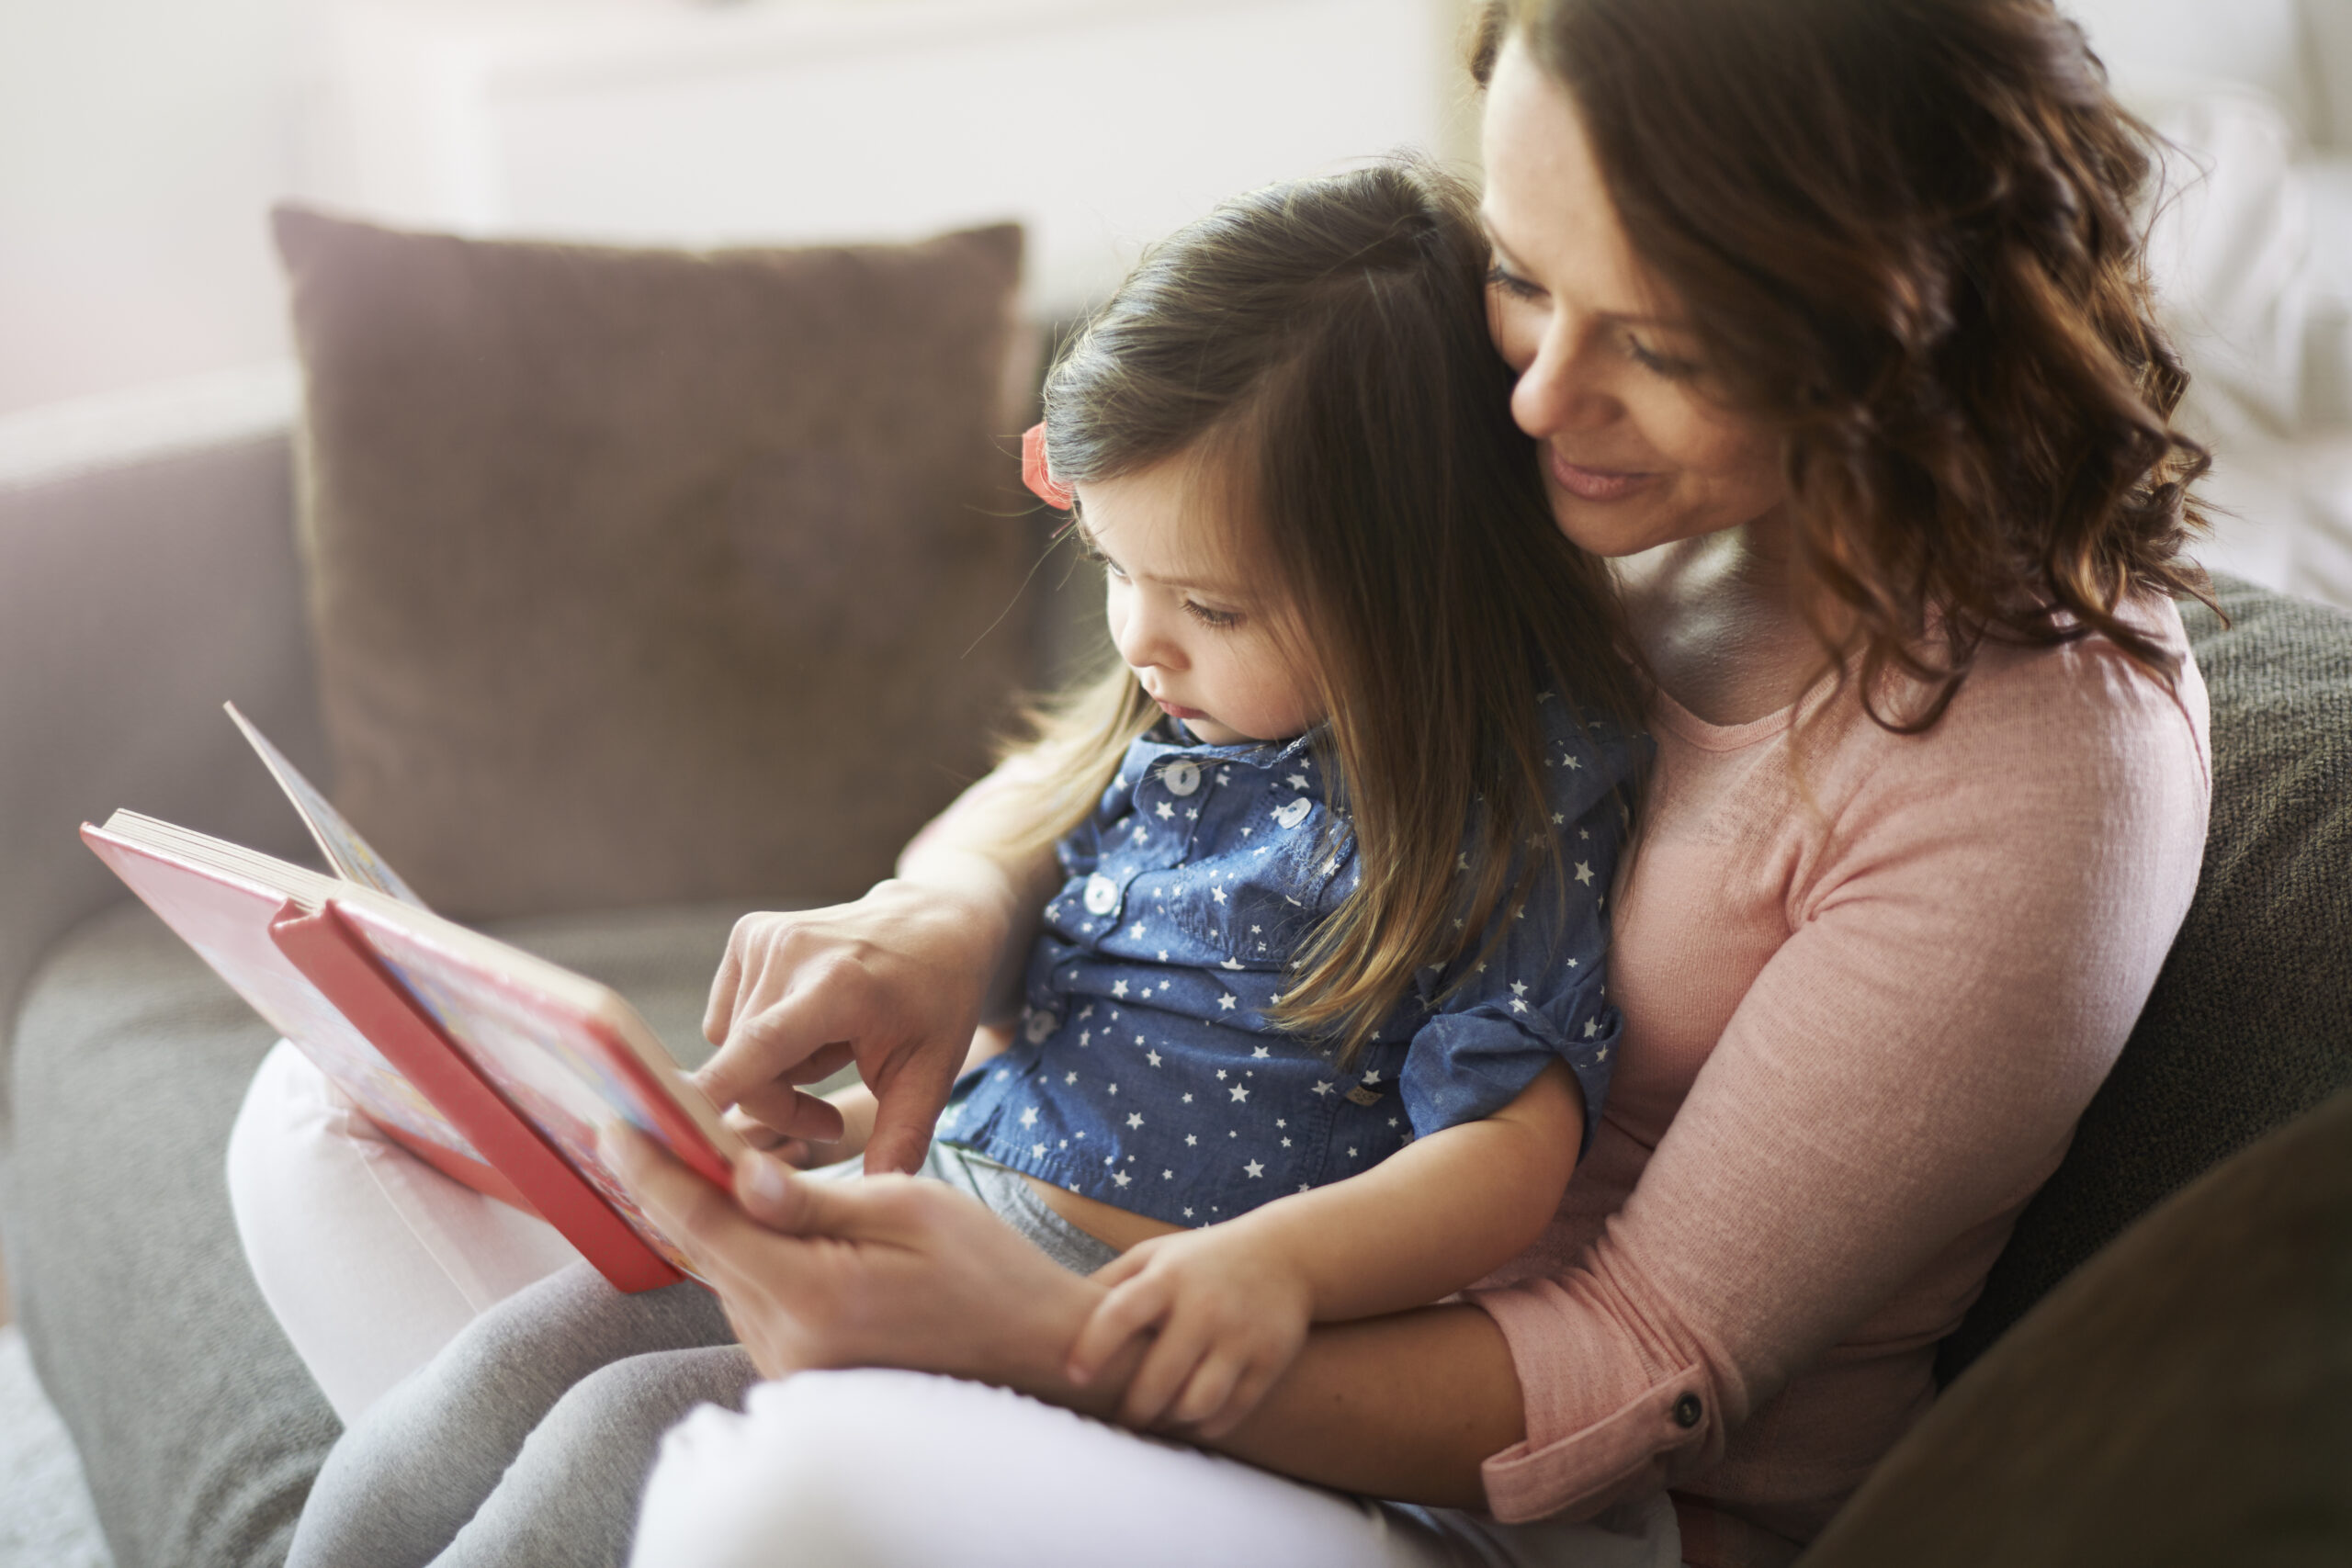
[1120, 1177]
[1118, 988]
[1591, 1027]
[1029, 1116]
[1322, 1088]
[1136, 931]
[1584, 873]
[1225, 1003]
[1135, 1119]
[1152, 1056]
[1239, 1093]
[1255, 1170]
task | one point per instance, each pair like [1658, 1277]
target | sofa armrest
[147, 573]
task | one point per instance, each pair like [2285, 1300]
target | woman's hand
[1230, 1313]
[895, 982]
[888, 1271]
[807, 1150]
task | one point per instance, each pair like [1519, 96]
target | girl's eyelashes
[1215, 620]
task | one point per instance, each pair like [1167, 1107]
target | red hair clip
[1036, 476]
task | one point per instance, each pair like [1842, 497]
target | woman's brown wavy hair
[1908, 236]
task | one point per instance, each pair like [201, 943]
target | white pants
[372, 1261]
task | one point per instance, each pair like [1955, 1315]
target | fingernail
[767, 1182]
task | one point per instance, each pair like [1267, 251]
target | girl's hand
[895, 982]
[1230, 1311]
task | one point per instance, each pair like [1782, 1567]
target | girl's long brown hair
[1909, 235]
[1320, 347]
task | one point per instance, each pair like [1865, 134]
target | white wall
[143, 140]
[140, 142]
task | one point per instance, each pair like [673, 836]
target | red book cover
[589, 1209]
[496, 1066]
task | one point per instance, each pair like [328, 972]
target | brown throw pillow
[641, 576]
[2185, 1398]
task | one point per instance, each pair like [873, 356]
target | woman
[1829, 322]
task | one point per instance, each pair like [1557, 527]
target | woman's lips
[1593, 484]
[1175, 710]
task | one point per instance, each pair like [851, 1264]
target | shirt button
[1102, 894]
[1687, 1411]
[1181, 778]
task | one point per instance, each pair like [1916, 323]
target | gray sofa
[148, 569]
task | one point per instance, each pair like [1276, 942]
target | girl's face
[1635, 453]
[1209, 648]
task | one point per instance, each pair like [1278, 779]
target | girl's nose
[1559, 391]
[1142, 638]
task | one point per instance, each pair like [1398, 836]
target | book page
[345, 851]
[220, 898]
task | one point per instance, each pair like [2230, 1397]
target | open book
[494, 1065]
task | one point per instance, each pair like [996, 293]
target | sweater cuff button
[1687, 1411]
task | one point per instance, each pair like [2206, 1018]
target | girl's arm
[896, 982]
[1228, 1306]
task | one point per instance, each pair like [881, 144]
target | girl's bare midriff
[1111, 1226]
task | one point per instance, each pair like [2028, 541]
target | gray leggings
[527, 1439]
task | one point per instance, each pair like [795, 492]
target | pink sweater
[1859, 1033]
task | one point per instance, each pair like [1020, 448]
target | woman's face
[1636, 452]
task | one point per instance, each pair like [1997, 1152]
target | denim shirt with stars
[1144, 1071]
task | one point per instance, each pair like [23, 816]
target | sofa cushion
[2251, 1019]
[199, 1427]
[2186, 1398]
[644, 576]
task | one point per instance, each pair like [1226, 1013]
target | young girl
[1316, 1027]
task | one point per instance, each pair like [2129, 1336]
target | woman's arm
[894, 1271]
[896, 982]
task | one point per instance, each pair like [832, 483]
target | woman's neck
[1712, 617]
